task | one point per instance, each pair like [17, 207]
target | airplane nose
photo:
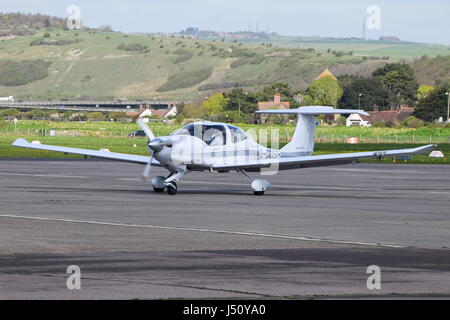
[156, 145]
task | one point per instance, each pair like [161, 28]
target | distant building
[357, 120]
[165, 113]
[390, 38]
[275, 104]
[171, 111]
[389, 116]
[325, 73]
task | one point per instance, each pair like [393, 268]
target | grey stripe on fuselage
[253, 153]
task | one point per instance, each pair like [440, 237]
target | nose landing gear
[158, 184]
[161, 183]
[172, 188]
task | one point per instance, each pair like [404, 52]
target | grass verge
[138, 146]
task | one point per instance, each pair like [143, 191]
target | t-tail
[302, 142]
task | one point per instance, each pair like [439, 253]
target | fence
[70, 133]
[284, 135]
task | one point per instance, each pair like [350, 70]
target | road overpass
[90, 105]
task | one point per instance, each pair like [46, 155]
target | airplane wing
[324, 160]
[86, 152]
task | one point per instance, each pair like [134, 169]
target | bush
[392, 124]
[240, 62]
[341, 121]
[53, 42]
[183, 57]
[190, 111]
[17, 73]
[116, 115]
[379, 124]
[132, 47]
[257, 60]
[185, 79]
[413, 122]
[35, 113]
[232, 116]
[96, 116]
[11, 113]
[218, 86]
[78, 117]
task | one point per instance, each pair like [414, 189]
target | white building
[10, 98]
[357, 120]
[161, 113]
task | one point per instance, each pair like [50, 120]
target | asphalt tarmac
[312, 235]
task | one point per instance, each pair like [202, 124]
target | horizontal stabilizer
[303, 138]
[313, 111]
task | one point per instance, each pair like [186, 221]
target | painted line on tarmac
[182, 182]
[240, 233]
[240, 184]
[439, 192]
[50, 175]
[272, 185]
[375, 171]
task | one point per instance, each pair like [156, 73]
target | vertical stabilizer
[302, 142]
[304, 135]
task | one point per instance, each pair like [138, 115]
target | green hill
[54, 63]
[393, 49]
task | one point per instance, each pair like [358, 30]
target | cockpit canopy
[213, 134]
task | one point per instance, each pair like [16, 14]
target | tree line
[24, 24]
[388, 88]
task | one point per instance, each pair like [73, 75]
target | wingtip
[19, 141]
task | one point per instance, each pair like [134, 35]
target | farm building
[389, 116]
[275, 104]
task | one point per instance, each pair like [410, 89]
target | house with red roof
[275, 104]
[388, 116]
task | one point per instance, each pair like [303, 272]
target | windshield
[211, 134]
[237, 134]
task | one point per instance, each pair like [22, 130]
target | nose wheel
[172, 188]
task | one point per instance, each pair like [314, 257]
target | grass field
[97, 135]
[137, 66]
[396, 50]
[124, 145]
[438, 134]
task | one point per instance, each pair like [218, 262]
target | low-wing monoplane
[220, 147]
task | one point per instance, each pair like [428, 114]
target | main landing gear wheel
[258, 193]
[158, 190]
[172, 188]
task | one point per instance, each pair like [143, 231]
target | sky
[410, 20]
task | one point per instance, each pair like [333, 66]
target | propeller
[145, 128]
[147, 170]
[155, 144]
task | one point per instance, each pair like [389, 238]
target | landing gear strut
[259, 186]
[161, 183]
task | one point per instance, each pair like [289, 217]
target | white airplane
[220, 147]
